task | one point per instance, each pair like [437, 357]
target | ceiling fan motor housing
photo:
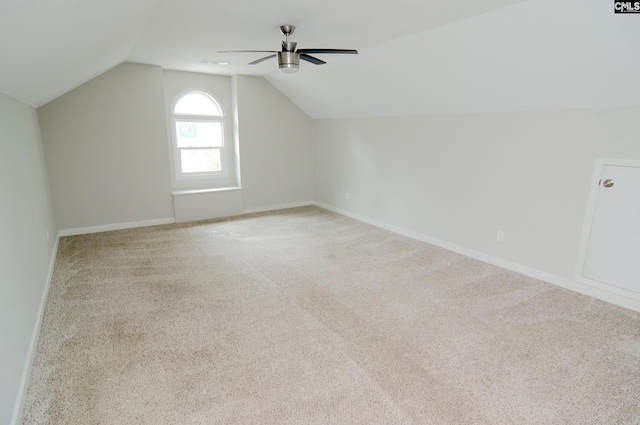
[289, 61]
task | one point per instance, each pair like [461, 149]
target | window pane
[198, 134]
[197, 104]
[200, 160]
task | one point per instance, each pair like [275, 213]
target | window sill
[196, 191]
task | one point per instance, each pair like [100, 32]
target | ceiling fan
[289, 57]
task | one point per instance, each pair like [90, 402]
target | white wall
[106, 149]
[461, 178]
[26, 254]
[108, 153]
[276, 154]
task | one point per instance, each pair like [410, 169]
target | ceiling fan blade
[262, 59]
[247, 51]
[339, 51]
[311, 59]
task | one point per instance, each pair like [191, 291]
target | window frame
[177, 156]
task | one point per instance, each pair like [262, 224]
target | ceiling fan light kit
[289, 57]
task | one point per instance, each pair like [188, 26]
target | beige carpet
[303, 316]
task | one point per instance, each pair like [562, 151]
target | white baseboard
[278, 207]
[117, 226]
[169, 220]
[18, 409]
[611, 297]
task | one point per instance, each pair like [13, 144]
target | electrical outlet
[48, 235]
[346, 196]
[500, 236]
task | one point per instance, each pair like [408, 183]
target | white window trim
[224, 151]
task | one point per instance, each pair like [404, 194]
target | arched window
[198, 136]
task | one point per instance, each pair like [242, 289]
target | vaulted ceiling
[416, 56]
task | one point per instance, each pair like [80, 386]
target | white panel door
[613, 254]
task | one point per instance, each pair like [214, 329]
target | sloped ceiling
[48, 47]
[416, 57]
[536, 55]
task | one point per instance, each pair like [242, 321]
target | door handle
[608, 183]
